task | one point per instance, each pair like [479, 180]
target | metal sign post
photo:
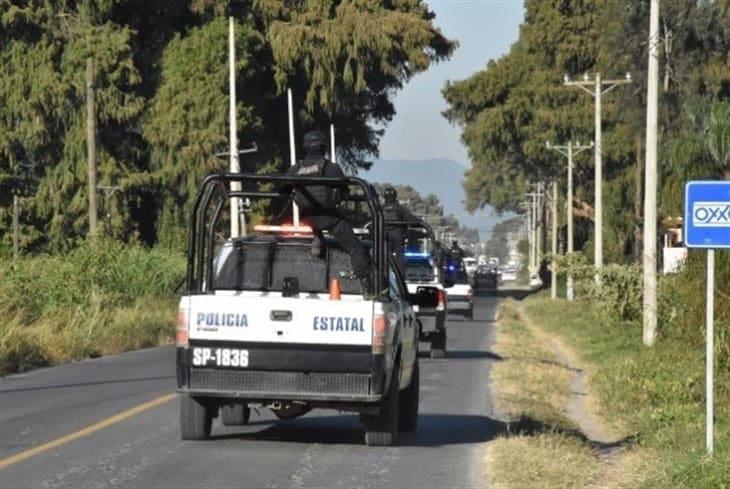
[707, 225]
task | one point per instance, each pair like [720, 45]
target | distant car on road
[459, 292]
[486, 277]
[509, 274]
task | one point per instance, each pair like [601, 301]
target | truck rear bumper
[259, 385]
[287, 384]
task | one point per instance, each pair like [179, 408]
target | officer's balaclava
[390, 195]
[314, 145]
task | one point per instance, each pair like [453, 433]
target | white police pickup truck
[265, 323]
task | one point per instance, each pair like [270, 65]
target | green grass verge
[655, 393]
[101, 298]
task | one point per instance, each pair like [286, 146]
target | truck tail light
[181, 329]
[442, 300]
[380, 333]
[470, 295]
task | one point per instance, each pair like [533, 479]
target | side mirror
[448, 283]
[426, 297]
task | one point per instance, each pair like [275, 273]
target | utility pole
[91, 143]
[534, 226]
[650, 187]
[234, 162]
[528, 229]
[539, 251]
[569, 150]
[16, 226]
[554, 238]
[596, 88]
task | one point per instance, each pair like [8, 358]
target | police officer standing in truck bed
[318, 207]
[393, 211]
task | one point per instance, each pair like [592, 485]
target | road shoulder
[555, 436]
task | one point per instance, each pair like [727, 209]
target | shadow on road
[461, 355]
[472, 354]
[434, 430]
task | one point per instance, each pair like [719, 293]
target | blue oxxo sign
[707, 225]
[707, 215]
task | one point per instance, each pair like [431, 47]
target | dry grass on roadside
[100, 298]
[546, 460]
[532, 387]
[71, 334]
[530, 381]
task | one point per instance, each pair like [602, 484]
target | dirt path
[581, 408]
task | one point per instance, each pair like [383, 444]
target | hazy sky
[485, 30]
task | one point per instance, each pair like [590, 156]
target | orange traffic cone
[335, 291]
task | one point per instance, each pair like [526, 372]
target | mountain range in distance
[442, 177]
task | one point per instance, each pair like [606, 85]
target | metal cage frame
[201, 235]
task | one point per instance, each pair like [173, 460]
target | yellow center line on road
[32, 452]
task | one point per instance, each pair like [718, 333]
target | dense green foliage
[162, 93]
[511, 108]
[618, 296]
[103, 297]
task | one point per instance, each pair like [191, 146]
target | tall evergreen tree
[510, 109]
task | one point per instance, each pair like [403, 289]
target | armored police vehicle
[265, 323]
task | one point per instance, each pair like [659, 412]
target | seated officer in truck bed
[318, 207]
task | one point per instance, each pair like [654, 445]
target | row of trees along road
[518, 102]
[161, 96]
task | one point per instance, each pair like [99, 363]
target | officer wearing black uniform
[393, 211]
[318, 207]
[454, 261]
[455, 252]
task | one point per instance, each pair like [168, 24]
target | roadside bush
[618, 292]
[682, 304]
[102, 297]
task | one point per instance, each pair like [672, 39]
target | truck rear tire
[438, 345]
[381, 430]
[470, 314]
[235, 414]
[196, 418]
[408, 414]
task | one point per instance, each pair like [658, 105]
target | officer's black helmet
[315, 142]
[390, 195]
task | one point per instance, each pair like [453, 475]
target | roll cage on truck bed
[261, 325]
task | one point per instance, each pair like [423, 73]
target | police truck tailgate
[255, 331]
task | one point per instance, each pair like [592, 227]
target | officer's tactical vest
[392, 213]
[319, 195]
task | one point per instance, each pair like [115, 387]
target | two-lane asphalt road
[107, 423]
